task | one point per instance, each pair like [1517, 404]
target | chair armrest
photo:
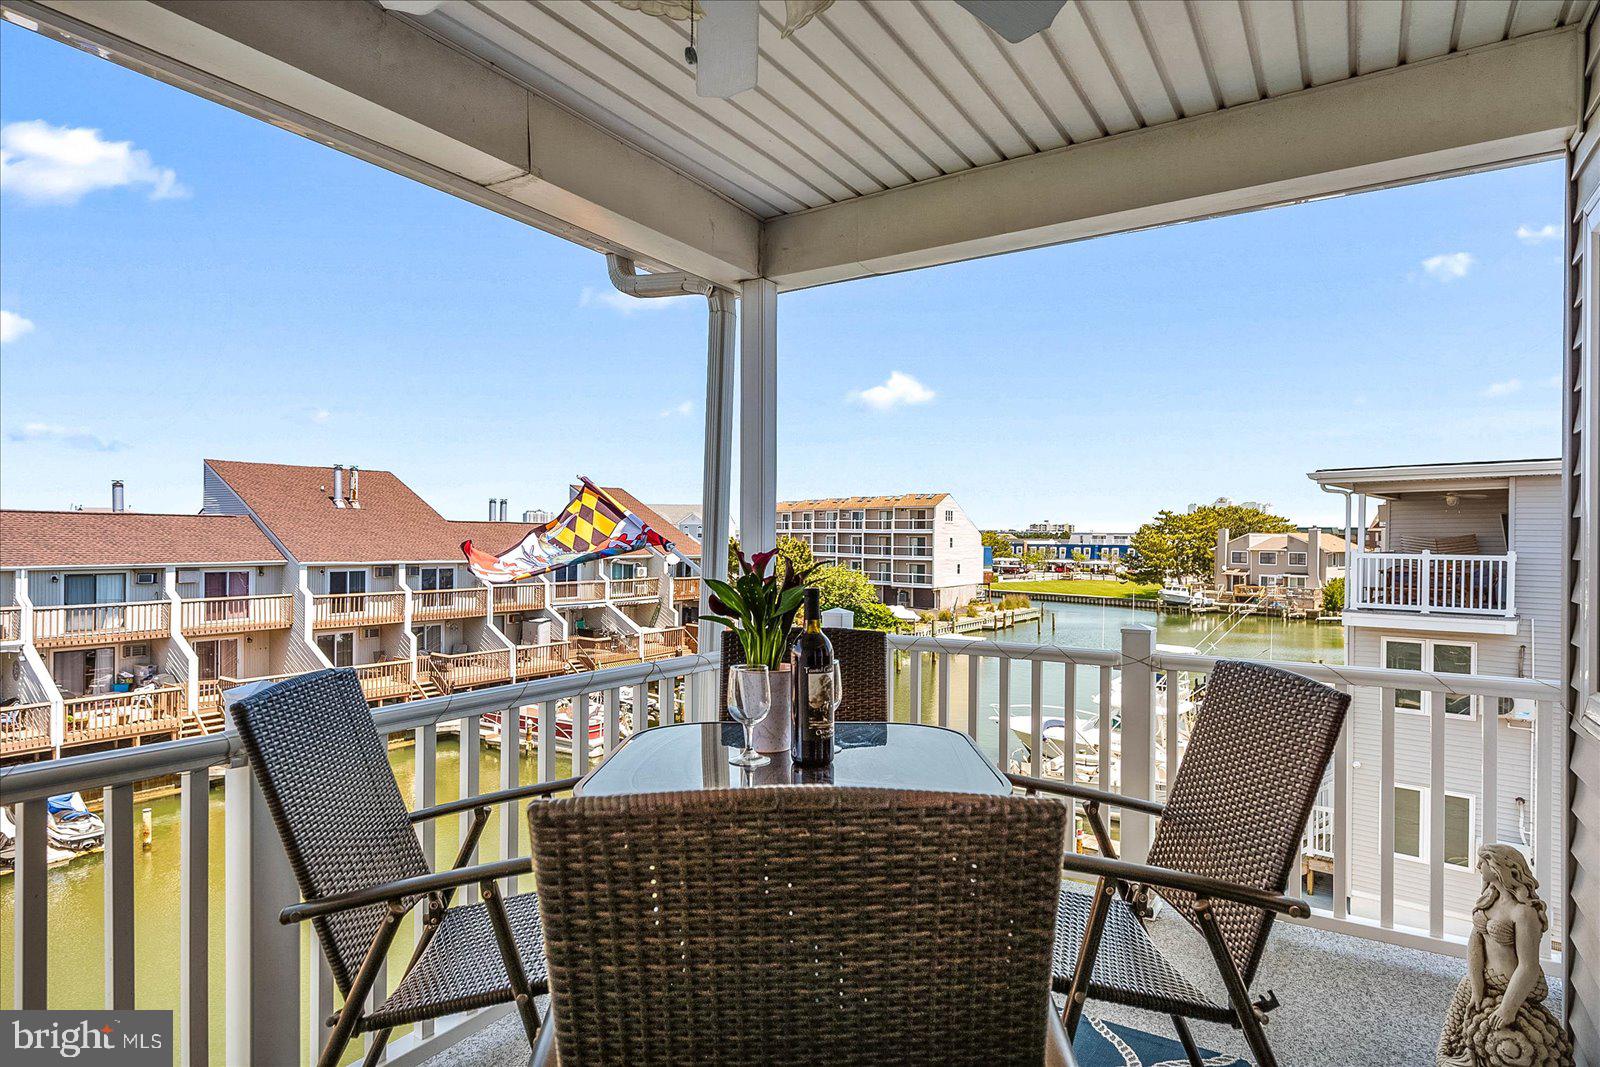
[1083, 792]
[419, 885]
[489, 800]
[1199, 884]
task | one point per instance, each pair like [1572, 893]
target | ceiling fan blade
[1015, 20]
[725, 48]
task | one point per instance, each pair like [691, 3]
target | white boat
[8, 846]
[1186, 596]
[71, 825]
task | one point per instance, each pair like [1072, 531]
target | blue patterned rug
[1106, 1044]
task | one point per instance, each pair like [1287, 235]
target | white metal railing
[1425, 582]
[272, 987]
[1152, 697]
[912, 578]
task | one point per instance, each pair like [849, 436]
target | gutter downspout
[716, 493]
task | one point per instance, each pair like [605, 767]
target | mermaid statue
[1497, 1017]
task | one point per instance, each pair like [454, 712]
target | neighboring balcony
[10, 624]
[110, 716]
[635, 588]
[24, 728]
[386, 680]
[357, 609]
[430, 604]
[471, 670]
[1422, 583]
[88, 624]
[588, 591]
[539, 661]
[912, 578]
[523, 596]
[686, 589]
[235, 614]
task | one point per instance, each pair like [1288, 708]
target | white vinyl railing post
[263, 973]
[1138, 734]
[1425, 583]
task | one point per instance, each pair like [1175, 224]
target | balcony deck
[430, 604]
[90, 624]
[240, 614]
[335, 610]
[10, 624]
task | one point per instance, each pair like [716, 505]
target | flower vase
[772, 733]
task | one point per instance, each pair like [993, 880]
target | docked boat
[8, 846]
[71, 825]
[1180, 595]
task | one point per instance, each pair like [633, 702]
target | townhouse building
[919, 549]
[1283, 560]
[119, 627]
[1094, 550]
[1464, 576]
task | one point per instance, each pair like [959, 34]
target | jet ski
[71, 825]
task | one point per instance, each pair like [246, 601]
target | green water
[76, 889]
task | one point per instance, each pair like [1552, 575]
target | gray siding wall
[217, 498]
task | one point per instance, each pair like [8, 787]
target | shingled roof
[129, 539]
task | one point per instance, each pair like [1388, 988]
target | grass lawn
[1084, 587]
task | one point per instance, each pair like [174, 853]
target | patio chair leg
[1244, 1011]
[521, 992]
[350, 1014]
[1186, 1039]
[1088, 949]
[380, 1041]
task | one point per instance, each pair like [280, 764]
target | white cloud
[60, 164]
[65, 435]
[319, 415]
[898, 389]
[684, 408]
[1450, 266]
[625, 304]
[1530, 236]
[1505, 388]
[12, 326]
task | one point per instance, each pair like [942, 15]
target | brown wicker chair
[1221, 856]
[798, 924]
[863, 667]
[325, 775]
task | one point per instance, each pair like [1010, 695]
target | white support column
[263, 973]
[1138, 735]
[186, 652]
[717, 484]
[758, 415]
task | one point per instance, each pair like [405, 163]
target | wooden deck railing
[24, 728]
[523, 596]
[635, 588]
[449, 603]
[588, 591]
[469, 670]
[686, 589]
[358, 609]
[215, 615]
[386, 680]
[537, 661]
[112, 715]
[677, 641]
[10, 624]
[76, 624]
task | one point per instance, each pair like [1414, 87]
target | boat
[71, 825]
[8, 846]
[597, 725]
[1186, 596]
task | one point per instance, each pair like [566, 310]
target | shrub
[1014, 602]
[1333, 596]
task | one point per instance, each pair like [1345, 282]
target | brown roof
[393, 524]
[900, 500]
[128, 538]
[686, 545]
[494, 537]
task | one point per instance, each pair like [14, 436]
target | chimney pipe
[492, 509]
[117, 503]
[502, 509]
[338, 485]
[355, 484]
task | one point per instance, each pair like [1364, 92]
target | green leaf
[729, 595]
[791, 600]
[729, 623]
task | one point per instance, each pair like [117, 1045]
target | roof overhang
[1434, 477]
[378, 85]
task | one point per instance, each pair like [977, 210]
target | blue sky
[189, 282]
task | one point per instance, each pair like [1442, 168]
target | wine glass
[749, 701]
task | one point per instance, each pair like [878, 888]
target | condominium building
[118, 626]
[1087, 548]
[920, 549]
[1261, 560]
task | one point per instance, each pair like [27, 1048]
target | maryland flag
[591, 526]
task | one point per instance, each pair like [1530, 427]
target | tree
[1080, 555]
[841, 587]
[1001, 543]
[791, 550]
[1333, 596]
[1033, 559]
[1183, 544]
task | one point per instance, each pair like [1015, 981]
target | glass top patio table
[895, 755]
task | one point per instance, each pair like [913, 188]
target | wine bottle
[816, 691]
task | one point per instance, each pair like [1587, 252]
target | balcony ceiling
[879, 94]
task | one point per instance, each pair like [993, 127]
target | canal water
[76, 888]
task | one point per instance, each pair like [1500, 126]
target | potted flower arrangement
[758, 604]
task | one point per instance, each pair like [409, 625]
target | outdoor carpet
[1106, 1044]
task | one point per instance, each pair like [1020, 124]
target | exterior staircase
[429, 685]
[206, 720]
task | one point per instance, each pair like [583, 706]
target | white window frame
[1428, 644]
[1240, 558]
[1423, 839]
[1297, 559]
[421, 570]
[366, 580]
[1268, 558]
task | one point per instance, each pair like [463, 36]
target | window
[1297, 559]
[428, 638]
[949, 515]
[1336, 559]
[958, 568]
[436, 578]
[1442, 657]
[347, 582]
[1411, 826]
[340, 648]
[1240, 558]
[1268, 559]
[952, 542]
